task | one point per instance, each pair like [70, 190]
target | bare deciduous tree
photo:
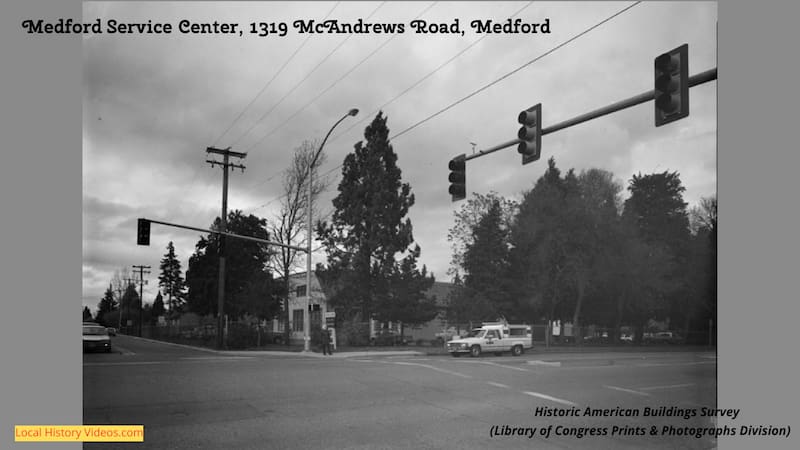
[290, 226]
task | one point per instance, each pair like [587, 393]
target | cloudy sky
[153, 103]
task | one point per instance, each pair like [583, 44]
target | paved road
[189, 398]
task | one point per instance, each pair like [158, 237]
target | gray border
[40, 185]
[758, 251]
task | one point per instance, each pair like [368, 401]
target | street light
[306, 313]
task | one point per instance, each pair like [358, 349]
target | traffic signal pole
[694, 80]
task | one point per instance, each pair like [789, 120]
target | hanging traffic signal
[143, 232]
[672, 85]
[530, 135]
[458, 177]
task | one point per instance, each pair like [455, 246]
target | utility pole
[226, 154]
[142, 282]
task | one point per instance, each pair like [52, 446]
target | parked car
[390, 337]
[111, 331]
[662, 337]
[96, 338]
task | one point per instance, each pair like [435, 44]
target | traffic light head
[672, 85]
[458, 177]
[143, 232]
[530, 134]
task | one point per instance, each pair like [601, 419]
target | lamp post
[307, 314]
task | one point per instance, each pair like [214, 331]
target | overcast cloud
[154, 103]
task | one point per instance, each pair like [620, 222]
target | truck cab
[493, 337]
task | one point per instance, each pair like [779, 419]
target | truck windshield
[477, 333]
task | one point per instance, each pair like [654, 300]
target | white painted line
[545, 363]
[498, 385]
[139, 363]
[214, 358]
[552, 399]
[696, 363]
[496, 365]
[670, 386]
[630, 391]
[449, 372]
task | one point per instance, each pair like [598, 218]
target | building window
[297, 320]
[300, 291]
[316, 318]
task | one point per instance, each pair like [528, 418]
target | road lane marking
[495, 364]
[214, 358]
[545, 363]
[552, 399]
[449, 372]
[630, 391]
[178, 361]
[695, 363]
[500, 385]
[669, 386]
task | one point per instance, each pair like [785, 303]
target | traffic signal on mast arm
[143, 232]
[530, 135]
[672, 85]
[458, 177]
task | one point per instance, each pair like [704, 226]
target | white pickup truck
[493, 337]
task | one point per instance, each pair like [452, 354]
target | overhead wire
[305, 78]
[280, 70]
[285, 64]
[492, 83]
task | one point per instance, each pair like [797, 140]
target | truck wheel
[475, 351]
[516, 350]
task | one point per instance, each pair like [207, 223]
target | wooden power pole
[226, 164]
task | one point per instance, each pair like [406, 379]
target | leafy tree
[106, 305]
[538, 248]
[703, 223]
[485, 263]
[467, 217]
[171, 281]
[658, 213]
[249, 286]
[87, 314]
[129, 305]
[290, 226]
[407, 301]
[367, 229]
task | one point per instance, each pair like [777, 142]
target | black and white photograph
[398, 224]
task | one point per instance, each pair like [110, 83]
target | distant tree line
[572, 250]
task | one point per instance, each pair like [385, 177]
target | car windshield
[477, 333]
[94, 331]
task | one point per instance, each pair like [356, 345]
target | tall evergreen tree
[486, 265]
[158, 307]
[368, 227]
[107, 304]
[658, 213]
[171, 281]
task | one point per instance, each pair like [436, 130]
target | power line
[428, 75]
[514, 71]
[346, 74]
[286, 63]
[305, 78]
[481, 89]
